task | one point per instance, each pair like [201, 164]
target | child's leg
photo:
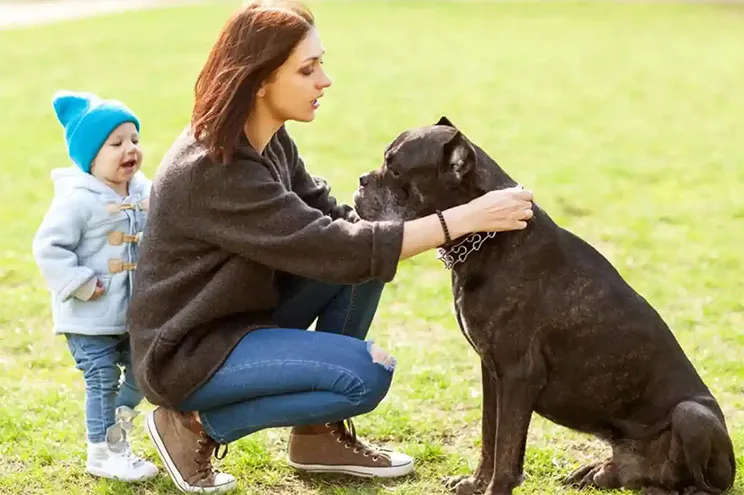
[129, 394]
[96, 356]
[108, 449]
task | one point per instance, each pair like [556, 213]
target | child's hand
[98, 292]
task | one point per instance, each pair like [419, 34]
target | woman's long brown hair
[254, 43]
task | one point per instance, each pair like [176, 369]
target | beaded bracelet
[447, 238]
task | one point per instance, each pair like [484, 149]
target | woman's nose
[325, 81]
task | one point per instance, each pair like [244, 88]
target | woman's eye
[307, 71]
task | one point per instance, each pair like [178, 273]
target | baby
[86, 249]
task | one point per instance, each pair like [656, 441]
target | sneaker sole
[361, 471]
[182, 485]
[104, 474]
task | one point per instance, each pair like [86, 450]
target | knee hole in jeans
[381, 357]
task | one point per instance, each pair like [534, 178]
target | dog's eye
[393, 173]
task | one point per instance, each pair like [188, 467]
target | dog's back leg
[706, 447]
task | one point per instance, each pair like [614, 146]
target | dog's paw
[583, 477]
[602, 475]
[465, 485]
[452, 481]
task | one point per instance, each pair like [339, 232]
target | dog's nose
[363, 180]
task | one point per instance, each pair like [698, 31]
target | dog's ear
[445, 121]
[458, 157]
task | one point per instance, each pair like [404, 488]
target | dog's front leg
[467, 485]
[517, 392]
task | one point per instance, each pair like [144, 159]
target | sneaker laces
[132, 459]
[346, 432]
[206, 445]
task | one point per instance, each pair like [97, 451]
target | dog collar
[460, 251]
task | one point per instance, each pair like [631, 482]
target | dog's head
[426, 169]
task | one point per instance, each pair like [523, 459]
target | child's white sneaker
[114, 458]
[123, 466]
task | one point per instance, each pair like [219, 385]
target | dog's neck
[489, 176]
[454, 255]
[458, 251]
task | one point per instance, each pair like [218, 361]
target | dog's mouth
[358, 201]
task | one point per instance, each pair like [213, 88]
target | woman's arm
[244, 210]
[495, 211]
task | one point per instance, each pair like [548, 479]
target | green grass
[625, 119]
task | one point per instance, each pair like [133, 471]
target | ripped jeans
[290, 377]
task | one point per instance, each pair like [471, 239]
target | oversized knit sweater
[217, 237]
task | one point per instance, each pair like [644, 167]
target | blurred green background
[626, 119]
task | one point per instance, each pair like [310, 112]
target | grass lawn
[625, 119]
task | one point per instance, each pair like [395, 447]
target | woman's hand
[495, 211]
[500, 210]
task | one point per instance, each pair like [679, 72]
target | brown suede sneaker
[186, 450]
[335, 448]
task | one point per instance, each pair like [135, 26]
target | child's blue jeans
[288, 376]
[100, 357]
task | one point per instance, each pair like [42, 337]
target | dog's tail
[707, 447]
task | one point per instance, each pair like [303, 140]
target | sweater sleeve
[54, 244]
[242, 208]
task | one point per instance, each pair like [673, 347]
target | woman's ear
[261, 92]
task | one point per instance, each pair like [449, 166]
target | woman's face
[297, 86]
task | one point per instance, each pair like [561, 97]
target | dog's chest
[468, 314]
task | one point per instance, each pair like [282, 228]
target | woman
[244, 250]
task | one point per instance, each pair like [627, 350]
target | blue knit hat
[88, 120]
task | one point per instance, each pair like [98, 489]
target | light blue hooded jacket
[89, 233]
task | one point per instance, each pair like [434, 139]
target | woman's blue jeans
[289, 376]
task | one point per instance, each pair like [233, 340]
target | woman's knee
[381, 357]
[381, 366]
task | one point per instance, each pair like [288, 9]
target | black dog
[559, 332]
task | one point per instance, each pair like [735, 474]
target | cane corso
[559, 332]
